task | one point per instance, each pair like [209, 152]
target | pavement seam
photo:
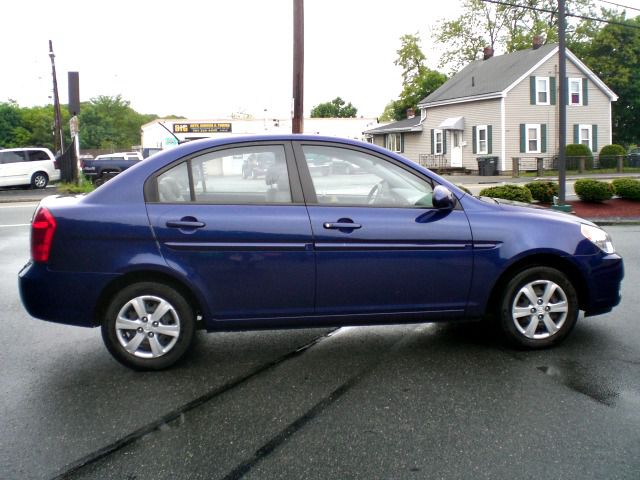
[74, 467]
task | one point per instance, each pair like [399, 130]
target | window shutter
[585, 91]
[444, 142]
[474, 144]
[523, 138]
[543, 138]
[402, 143]
[594, 139]
[576, 133]
[552, 88]
[489, 140]
[532, 90]
[566, 89]
[433, 140]
[385, 141]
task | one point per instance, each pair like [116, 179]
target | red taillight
[55, 165]
[43, 227]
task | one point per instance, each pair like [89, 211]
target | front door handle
[341, 225]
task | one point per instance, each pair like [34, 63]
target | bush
[576, 150]
[627, 188]
[591, 190]
[508, 192]
[543, 191]
[608, 155]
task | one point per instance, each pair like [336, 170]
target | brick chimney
[538, 41]
[411, 113]
[488, 53]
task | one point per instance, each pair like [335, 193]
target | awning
[452, 123]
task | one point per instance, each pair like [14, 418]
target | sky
[205, 59]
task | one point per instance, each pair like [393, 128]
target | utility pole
[58, 139]
[562, 110]
[298, 66]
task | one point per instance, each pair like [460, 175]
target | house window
[585, 135]
[437, 138]
[542, 90]
[575, 91]
[394, 142]
[533, 138]
[482, 140]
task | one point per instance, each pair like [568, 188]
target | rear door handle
[341, 225]
[186, 224]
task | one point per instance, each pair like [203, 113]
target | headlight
[598, 237]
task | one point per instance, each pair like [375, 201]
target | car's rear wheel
[539, 308]
[39, 180]
[148, 326]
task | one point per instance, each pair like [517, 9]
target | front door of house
[456, 149]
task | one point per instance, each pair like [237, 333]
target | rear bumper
[47, 294]
[604, 281]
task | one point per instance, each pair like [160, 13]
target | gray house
[505, 107]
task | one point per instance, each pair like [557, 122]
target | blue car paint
[296, 269]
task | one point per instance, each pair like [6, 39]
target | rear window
[38, 155]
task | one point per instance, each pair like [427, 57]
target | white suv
[27, 166]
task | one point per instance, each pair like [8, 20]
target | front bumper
[603, 282]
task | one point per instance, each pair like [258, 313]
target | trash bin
[487, 166]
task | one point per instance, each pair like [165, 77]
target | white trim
[452, 101]
[437, 131]
[594, 78]
[538, 129]
[531, 70]
[610, 130]
[586, 126]
[548, 90]
[423, 114]
[398, 142]
[503, 140]
[580, 97]
[479, 150]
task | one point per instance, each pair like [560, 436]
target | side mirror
[443, 199]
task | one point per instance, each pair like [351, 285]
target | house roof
[406, 125]
[494, 77]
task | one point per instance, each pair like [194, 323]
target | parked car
[28, 166]
[105, 167]
[634, 157]
[256, 165]
[154, 254]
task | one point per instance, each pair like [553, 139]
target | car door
[245, 242]
[380, 245]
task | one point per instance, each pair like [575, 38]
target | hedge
[508, 192]
[591, 190]
[609, 154]
[543, 191]
[628, 188]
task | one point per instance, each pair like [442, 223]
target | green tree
[10, 124]
[336, 108]
[504, 28]
[418, 81]
[613, 53]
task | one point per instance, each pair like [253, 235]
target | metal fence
[433, 161]
[540, 164]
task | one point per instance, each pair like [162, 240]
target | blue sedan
[182, 241]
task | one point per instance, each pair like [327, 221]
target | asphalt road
[409, 401]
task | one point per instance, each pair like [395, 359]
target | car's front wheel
[539, 308]
[148, 326]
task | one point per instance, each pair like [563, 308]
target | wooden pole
[298, 66]
[58, 138]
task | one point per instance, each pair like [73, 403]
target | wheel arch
[145, 276]
[540, 260]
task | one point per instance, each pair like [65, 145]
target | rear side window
[243, 175]
[12, 157]
[38, 155]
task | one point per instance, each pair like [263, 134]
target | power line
[618, 5]
[574, 15]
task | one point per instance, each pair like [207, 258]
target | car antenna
[172, 134]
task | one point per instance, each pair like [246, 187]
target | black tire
[539, 308]
[39, 180]
[140, 331]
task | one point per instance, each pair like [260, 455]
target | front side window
[585, 135]
[359, 179]
[542, 90]
[437, 139]
[12, 157]
[482, 139]
[575, 91]
[243, 175]
[533, 138]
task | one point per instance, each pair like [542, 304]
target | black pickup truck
[104, 167]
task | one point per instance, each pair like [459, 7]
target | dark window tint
[38, 155]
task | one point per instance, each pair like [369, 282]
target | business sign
[202, 128]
